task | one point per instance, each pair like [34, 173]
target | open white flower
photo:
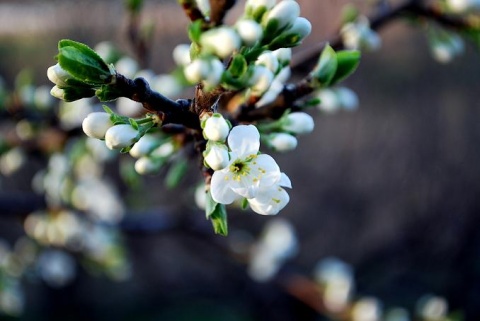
[247, 171]
[272, 199]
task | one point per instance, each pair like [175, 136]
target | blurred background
[389, 192]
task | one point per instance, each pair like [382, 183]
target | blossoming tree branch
[243, 102]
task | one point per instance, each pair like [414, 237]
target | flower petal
[266, 170]
[220, 187]
[269, 201]
[244, 140]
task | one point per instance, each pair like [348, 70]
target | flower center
[239, 169]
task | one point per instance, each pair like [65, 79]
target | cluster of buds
[256, 44]
[79, 73]
[281, 135]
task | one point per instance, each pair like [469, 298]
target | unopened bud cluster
[215, 130]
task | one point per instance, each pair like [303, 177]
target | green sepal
[217, 213]
[347, 63]
[82, 63]
[133, 123]
[311, 103]
[195, 31]
[76, 93]
[108, 93]
[176, 173]
[326, 67]
[286, 40]
[244, 204]
[238, 66]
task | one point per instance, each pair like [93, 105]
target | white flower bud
[144, 146]
[120, 136]
[58, 93]
[282, 142]
[284, 55]
[196, 71]
[329, 101]
[216, 128]
[358, 35]
[261, 80]
[269, 60]
[145, 165]
[204, 6]
[96, 124]
[214, 75]
[299, 123]
[58, 76]
[164, 150]
[284, 13]
[255, 4]
[347, 97]
[181, 54]
[249, 30]
[201, 196]
[217, 156]
[301, 27]
[222, 41]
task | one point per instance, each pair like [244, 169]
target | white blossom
[247, 171]
[96, 124]
[216, 128]
[298, 123]
[222, 41]
[196, 70]
[301, 27]
[269, 200]
[249, 30]
[120, 136]
[214, 75]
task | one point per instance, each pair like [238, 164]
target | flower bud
[216, 128]
[298, 123]
[282, 15]
[164, 150]
[214, 75]
[181, 54]
[144, 146]
[126, 66]
[269, 60]
[261, 80]
[167, 84]
[57, 92]
[282, 142]
[348, 98]
[222, 41]
[284, 55]
[96, 124]
[204, 6]
[146, 165]
[58, 76]
[358, 35]
[249, 30]
[120, 136]
[255, 4]
[216, 156]
[196, 71]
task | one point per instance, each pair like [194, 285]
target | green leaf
[210, 205]
[176, 173]
[219, 220]
[82, 63]
[195, 31]
[347, 63]
[326, 67]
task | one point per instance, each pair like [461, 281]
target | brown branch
[219, 9]
[169, 111]
[191, 10]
